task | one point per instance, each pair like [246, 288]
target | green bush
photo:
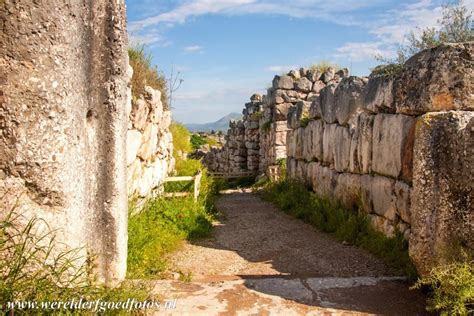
[197, 141]
[452, 288]
[351, 226]
[181, 139]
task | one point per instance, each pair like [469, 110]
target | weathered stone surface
[317, 131]
[304, 84]
[63, 90]
[134, 141]
[329, 137]
[378, 95]
[438, 79]
[139, 114]
[328, 103]
[150, 142]
[315, 110]
[324, 181]
[383, 197]
[383, 225]
[328, 75]
[281, 111]
[402, 194]
[283, 82]
[313, 75]
[442, 213]
[341, 147]
[347, 189]
[393, 145]
[361, 144]
[318, 86]
[348, 98]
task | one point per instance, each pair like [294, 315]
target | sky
[226, 50]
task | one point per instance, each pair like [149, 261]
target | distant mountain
[221, 124]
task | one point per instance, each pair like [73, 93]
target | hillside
[221, 124]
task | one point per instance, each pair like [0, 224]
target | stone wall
[63, 81]
[149, 145]
[241, 149]
[402, 145]
[298, 87]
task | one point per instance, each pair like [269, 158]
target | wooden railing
[273, 172]
[197, 185]
[230, 175]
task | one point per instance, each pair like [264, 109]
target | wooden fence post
[197, 185]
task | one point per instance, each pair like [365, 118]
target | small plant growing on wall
[266, 126]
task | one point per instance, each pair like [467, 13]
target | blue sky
[226, 50]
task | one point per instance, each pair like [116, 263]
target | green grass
[164, 224]
[234, 183]
[351, 226]
[181, 139]
[36, 267]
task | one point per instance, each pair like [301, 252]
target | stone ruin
[149, 145]
[402, 146]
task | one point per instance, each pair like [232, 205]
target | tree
[455, 26]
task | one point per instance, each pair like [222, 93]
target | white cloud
[362, 51]
[336, 11]
[193, 49]
[281, 68]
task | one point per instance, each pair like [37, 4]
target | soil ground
[261, 261]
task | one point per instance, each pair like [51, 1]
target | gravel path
[261, 261]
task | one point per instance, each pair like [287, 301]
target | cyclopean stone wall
[402, 145]
[63, 81]
[297, 87]
[149, 145]
[241, 149]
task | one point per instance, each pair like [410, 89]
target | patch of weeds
[36, 267]
[256, 115]
[185, 276]
[304, 121]
[351, 226]
[266, 127]
[452, 287]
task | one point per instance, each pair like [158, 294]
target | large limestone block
[383, 197]
[361, 144]
[315, 110]
[134, 141]
[301, 171]
[347, 189]
[328, 103]
[442, 204]
[313, 74]
[140, 112]
[299, 152]
[281, 111]
[403, 197]
[329, 138]
[291, 165]
[348, 98]
[283, 82]
[378, 95]
[324, 181]
[317, 131]
[318, 86]
[328, 75]
[341, 147]
[392, 152]
[291, 139]
[438, 79]
[280, 126]
[280, 152]
[307, 143]
[382, 224]
[304, 85]
[149, 142]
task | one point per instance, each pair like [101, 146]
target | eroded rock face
[63, 117]
[442, 214]
[446, 74]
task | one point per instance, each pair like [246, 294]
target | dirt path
[261, 261]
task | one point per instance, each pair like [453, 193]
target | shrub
[197, 141]
[351, 226]
[452, 288]
[181, 139]
[305, 121]
[266, 127]
[144, 74]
